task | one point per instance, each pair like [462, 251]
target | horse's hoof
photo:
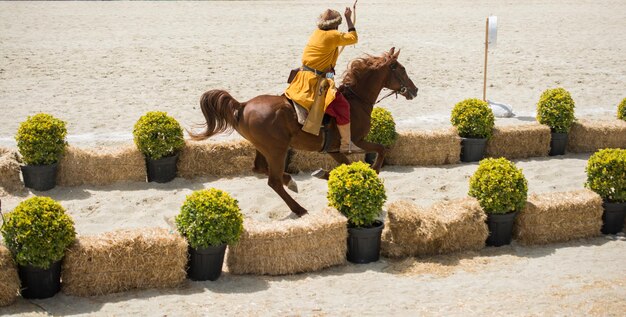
[320, 173]
[292, 186]
[301, 213]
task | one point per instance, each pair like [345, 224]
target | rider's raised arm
[350, 38]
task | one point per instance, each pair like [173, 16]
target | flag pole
[486, 51]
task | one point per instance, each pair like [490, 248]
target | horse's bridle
[403, 87]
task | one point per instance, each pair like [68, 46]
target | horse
[269, 122]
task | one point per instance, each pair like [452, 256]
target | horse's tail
[221, 112]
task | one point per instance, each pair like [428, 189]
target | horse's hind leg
[276, 180]
[260, 164]
[260, 167]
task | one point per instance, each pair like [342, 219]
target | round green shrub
[210, 217]
[357, 192]
[556, 110]
[158, 135]
[621, 110]
[38, 231]
[383, 127]
[473, 119]
[499, 186]
[41, 139]
[606, 174]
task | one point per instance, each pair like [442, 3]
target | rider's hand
[348, 13]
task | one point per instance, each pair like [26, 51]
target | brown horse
[270, 123]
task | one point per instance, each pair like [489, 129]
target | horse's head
[397, 78]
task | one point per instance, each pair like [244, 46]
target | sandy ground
[97, 209]
[579, 278]
[101, 65]
[569, 279]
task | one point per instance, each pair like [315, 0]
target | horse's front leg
[370, 147]
[338, 157]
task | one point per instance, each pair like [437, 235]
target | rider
[319, 59]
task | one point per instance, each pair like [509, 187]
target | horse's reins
[403, 88]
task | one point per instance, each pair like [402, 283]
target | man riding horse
[270, 122]
[317, 72]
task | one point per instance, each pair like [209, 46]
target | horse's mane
[360, 65]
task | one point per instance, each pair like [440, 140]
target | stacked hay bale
[593, 135]
[216, 159]
[101, 166]
[307, 244]
[9, 279]
[10, 181]
[411, 148]
[558, 217]
[123, 260]
[445, 227]
[519, 141]
[426, 148]
[309, 161]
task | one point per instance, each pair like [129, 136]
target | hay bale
[558, 217]
[291, 246]
[101, 166]
[10, 181]
[123, 260]
[412, 148]
[309, 161]
[216, 159]
[519, 141]
[445, 227]
[426, 148]
[592, 135]
[9, 279]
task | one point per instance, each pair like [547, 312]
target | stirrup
[350, 149]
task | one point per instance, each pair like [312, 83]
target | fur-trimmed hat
[329, 20]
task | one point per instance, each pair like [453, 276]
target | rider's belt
[313, 70]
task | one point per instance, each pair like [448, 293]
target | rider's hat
[329, 20]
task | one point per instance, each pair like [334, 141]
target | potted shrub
[606, 175]
[160, 138]
[556, 110]
[474, 121]
[501, 189]
[382, 131]
[41, 142]
[621, 110]
[209, 220]
[357, 192]
[38, 231]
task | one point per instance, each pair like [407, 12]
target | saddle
[313, 119]
[328, 134]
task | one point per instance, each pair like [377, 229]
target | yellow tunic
[321, 53]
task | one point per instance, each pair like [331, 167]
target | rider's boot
[347, 147]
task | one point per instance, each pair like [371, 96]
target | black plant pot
[558, 143]
[472, 150]
[162, 170]
[40, 283]
[613, 217]
[500, 228]
[40, 177]
[364, 243]
[370, 158]
[206, 263]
